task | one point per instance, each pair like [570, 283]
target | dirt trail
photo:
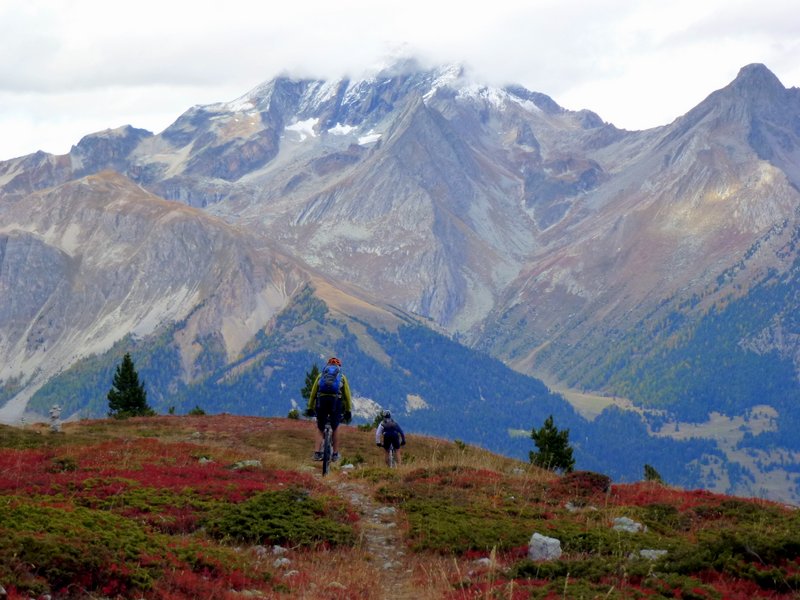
[381, 539]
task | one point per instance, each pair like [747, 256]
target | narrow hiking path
[381, 539]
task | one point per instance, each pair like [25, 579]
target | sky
[75, 67]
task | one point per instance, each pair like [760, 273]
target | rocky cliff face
[87, 262]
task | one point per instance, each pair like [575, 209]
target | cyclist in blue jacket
[390, 435]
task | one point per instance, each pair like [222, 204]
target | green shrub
[14, 437]
[665, 518]
[602, 577]
[734, 510]
[43, 546]
[583, 578]
[589, 569]
[393, 494]
[283, 517]
[63, 464]
[441, 525]
[355, 460]
[377, 474]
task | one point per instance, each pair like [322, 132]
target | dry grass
[285, 443]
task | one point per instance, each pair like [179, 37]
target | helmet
[387, 414]
[334, 361]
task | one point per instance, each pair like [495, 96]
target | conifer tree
[650, 474]
[127, 397]
[311, 377]
[554, 450]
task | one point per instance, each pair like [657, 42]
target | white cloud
[80, 66]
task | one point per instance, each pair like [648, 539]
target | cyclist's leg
[320, 437]
[336, 417]
[389, 442]
[318, 444]
[385, 447]
[322, 413]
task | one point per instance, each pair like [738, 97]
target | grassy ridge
[189, 507]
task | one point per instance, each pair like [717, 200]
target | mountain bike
[327, 446]
[391, 455]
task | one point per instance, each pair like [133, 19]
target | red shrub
[475, 478]
[581, 484]
[647, 492]
[18, 467]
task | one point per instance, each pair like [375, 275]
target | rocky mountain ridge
[694, 199]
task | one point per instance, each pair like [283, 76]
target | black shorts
[329, 407]
[391, 439]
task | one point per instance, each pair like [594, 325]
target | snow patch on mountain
[370, 138]
[340, 129]
[304, 129]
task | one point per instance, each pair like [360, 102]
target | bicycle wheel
[327, 449]
[391, 456]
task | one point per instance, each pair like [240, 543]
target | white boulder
[542, 547]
